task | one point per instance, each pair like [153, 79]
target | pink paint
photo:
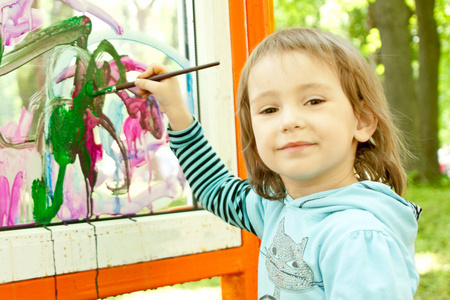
[10, 204]
[129, 64]
[114, 75]
[87, 7]
[18, 167]
[150, 119]
[18, 133]
[15, 169]
[5, 200]
[143, 130]
[17, 19]
[133, 133]
[139, 152]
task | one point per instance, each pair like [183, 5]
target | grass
[196, 285]
[433, 240]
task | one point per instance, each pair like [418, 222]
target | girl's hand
[167, 93]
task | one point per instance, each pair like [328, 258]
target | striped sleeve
[219, 191]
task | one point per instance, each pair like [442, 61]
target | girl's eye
[269, 110]
[314, 101]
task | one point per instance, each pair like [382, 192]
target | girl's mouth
[296, 146]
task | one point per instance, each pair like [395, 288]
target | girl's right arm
[214, 186]
[219, 191]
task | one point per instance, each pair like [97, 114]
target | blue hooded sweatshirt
[355, 242]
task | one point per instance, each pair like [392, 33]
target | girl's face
[304, 125]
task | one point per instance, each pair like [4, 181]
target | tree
[442, 16]
[427, 93]
[391, 17]
[407, 95]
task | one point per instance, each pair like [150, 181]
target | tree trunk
[391, 17]
[427, 93]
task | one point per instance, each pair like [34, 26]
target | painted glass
[66, 155]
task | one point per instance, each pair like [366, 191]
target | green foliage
[291, 13]
[442, 15]
[350, 19]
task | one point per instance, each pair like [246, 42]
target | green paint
[67, 127]
[89, 87]
[67, 32]
[43, 210]
[92, 69]
[68, 132]
[2, 48]
[109, 89]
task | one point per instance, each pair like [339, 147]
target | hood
[398, 214]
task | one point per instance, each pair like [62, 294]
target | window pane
[66, 155]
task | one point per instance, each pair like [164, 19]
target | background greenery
[413, 66]
[357, 21]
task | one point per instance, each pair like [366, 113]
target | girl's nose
[292, 119]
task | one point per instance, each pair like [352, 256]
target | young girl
[324, 170]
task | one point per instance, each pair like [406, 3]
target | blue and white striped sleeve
[219, 191]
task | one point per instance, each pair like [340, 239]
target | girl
[324, 170]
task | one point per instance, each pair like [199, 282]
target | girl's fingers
[154, 69]
[146, 86]
[144, 95]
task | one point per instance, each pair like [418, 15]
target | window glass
[66, 155]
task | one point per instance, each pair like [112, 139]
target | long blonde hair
[378, 159]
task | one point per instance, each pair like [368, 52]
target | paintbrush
[127, 85]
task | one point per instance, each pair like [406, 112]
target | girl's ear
[367, 124]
